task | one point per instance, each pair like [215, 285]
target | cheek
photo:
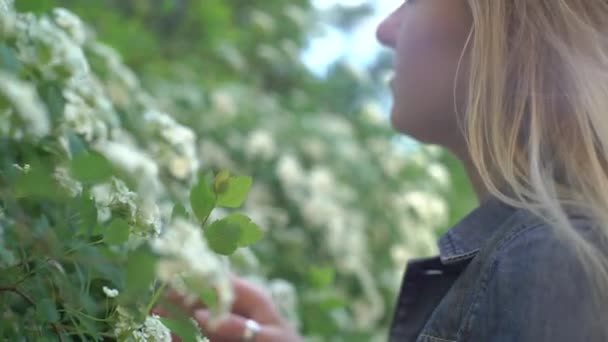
[424, 81]
[426, 63]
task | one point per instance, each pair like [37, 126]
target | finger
[253, 302]
[230, 328]
[160, 311]
[182, 302]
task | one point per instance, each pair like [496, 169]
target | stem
[57, 332]
[155, 297]
[17, 291]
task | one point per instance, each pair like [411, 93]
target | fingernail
[202, 316]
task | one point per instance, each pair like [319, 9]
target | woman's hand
[251, 303]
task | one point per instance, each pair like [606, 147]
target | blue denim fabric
[502, 275]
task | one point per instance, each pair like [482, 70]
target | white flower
[319, 209]
[73, 187]
[72, 25]
[180, 167]
[114, 195]
[335, 125]
[8, 18]
[314, 148]
[289, 170]
[132, 160]
[429, 208]
[440, 174]
[321, 180]
[25, 168]
[110, 293]
[285, 297]
[148, 214]
[23, 97]
[43, 45]
[297, 15]
[6, 5]
[90, 90]
[185, 255]
[400, 255]
[180, 159]
[262, 20]
[214, 155]
[373, 113]
[81, 115]
[152, 329]
[269, 52]
[224, 103]
[260, 143]
[116, 68]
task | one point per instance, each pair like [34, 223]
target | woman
[518, 90]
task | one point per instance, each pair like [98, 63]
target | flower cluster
[63, 96]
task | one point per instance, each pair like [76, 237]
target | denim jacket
[501, 275]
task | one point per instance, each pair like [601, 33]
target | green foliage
[202, 200]
[85, 249]
[232, 192]
[95, 143]
[233, 231]
[90, 168]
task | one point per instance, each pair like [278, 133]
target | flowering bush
[108, 175]
[98, 216]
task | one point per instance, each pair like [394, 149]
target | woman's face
[428, 37]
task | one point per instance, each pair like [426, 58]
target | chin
[415, 129]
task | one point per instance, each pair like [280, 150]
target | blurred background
[293, 94]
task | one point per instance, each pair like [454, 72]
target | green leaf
[46, 310]
[182, 328]
[235, 192]
[206, 294]
[209, 296]
[202, 200]
[8, 60]
[87, 215]
[91, 167]
[117, 232]
[321, 277]
[140, 271]
[220, 182]
[51, 94]
[250, 232]
[38, 183]
[223, 236]
[76, 144]
[179, 211]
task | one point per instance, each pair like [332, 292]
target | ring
[252, 329]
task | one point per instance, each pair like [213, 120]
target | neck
[473, 175]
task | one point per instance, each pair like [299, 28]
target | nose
[387, 30]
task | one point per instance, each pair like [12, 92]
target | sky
[358, 47]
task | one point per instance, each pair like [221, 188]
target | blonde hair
[537, 113]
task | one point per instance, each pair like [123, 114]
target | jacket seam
[435, 339]
[469, 318]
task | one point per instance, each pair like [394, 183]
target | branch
[57, 332]
[17, 291]
[14, 289]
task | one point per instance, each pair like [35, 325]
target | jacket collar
[465, 239]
